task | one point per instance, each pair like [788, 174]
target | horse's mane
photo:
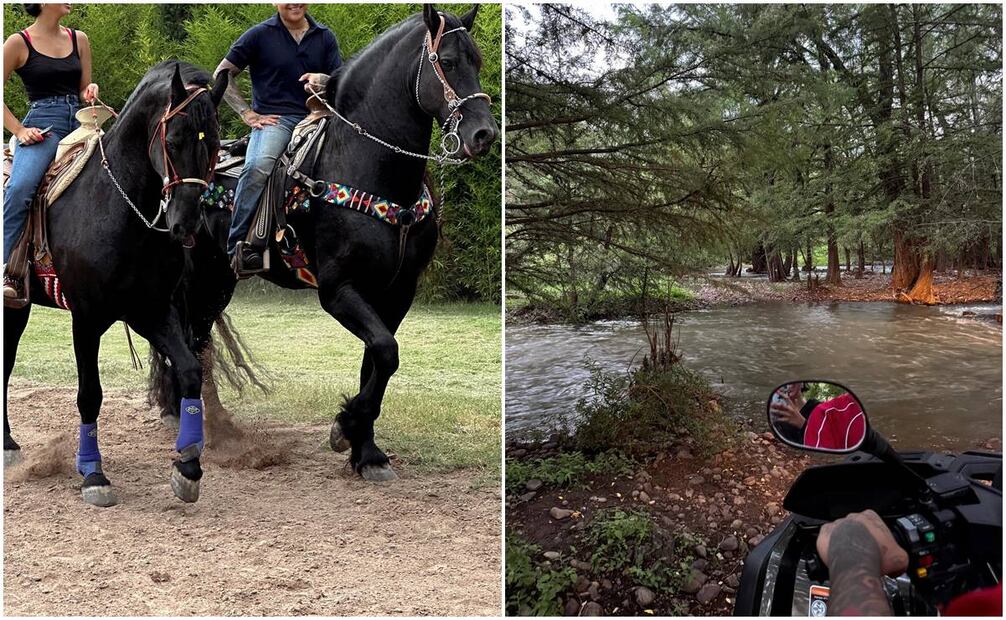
[159, 76]
[387, 39]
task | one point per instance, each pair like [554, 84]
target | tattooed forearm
[232, 94]
[854, 565]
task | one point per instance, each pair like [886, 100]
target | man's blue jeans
[32, 161]
[264, 148]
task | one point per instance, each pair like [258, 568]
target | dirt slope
[300, 537]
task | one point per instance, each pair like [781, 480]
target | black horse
[366, 274]
[115, 262]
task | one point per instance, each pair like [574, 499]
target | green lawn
[442, 409]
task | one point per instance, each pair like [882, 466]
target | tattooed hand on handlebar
[859, 550]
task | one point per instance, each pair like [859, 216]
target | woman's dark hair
[33, 9]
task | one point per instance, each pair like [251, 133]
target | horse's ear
[432, 19]
[178, 92]
[468, 19]
[219, 86]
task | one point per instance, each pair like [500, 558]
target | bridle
[450, 142]
[170, 177]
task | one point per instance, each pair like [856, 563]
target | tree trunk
[860, 260]
[808, 261]
[795, 265]
[848, 260]
[775, 267]
[834, 276]
[759, 259]
[922, 291]
[907, 263]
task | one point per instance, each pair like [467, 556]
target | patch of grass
[566, 469]
[532, 589]
[627, 542]
[619, 539]
[442, 410]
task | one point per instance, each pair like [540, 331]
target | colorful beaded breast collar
[339, 195]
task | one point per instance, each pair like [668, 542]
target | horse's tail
[232, 360]
[162, 388]
[236, 364]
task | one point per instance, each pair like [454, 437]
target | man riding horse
[355, 218]
[280, 53]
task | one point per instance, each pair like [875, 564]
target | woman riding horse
[116, 238]
[54, 63]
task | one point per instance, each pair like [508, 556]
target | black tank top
[45, 76]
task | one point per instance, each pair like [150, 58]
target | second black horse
[423, 70]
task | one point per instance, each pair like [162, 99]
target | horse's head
[448, 86]
[183, 149]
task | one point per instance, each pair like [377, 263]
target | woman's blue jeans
[32, 161]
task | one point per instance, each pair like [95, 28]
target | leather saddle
[269, 224]
[72, 154]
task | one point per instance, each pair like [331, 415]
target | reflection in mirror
[817, 415]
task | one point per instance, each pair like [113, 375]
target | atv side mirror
[818, 415]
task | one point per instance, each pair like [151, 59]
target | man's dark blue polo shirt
[275, 62]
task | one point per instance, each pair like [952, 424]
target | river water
[928, 378]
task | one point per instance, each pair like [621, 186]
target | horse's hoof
[337, 440]
[185, 489]
[378, 473]
[102, 496]
[12, 458]
[170, 421]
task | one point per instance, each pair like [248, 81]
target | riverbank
[663, 536]
[703, 292]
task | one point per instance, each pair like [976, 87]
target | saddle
[270, 216]
[32, 248]
[290, 193]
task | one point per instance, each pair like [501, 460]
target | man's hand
[314, 82]
[29, 135]
[257, 121]
[858, 550]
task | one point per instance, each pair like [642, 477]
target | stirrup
[239, 269]
[18, 299]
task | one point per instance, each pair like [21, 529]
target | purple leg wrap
[190, 427]
[88, 457]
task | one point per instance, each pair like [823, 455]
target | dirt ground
[731, 500]
[282, 527]
[948, 289]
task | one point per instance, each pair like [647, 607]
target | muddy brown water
[928, 376]
[279, 535]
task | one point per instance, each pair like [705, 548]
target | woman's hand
[91, 93]
[257, 121]
[29, 135]
[786, 412]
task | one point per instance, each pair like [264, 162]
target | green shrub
[645, 411]
[628, 542]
